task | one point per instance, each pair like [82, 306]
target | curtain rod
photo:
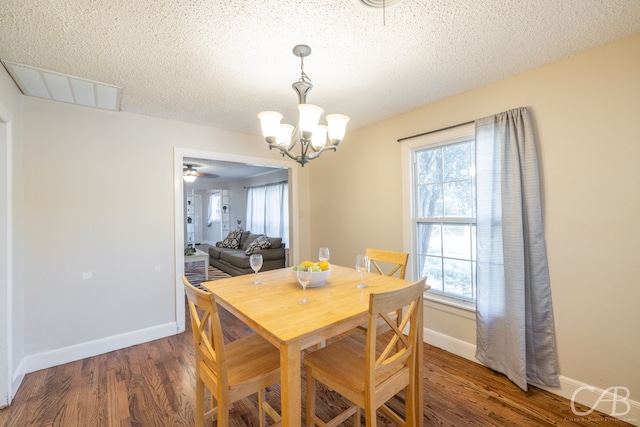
[434, 131]
[266, 185]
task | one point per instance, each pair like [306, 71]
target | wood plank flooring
[153, 384]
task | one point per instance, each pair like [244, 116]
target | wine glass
[304, 276]
[255, 261]
[323, 254]
[362, 265]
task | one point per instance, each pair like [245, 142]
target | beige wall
[587, 116]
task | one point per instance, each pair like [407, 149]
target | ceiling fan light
[337, 127]
[309, 117]
[270, 123]
[319, 138]
[189, 174]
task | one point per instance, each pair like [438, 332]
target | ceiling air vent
[46, 84]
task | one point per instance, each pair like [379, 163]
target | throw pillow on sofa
[261, 242]
[232, 241]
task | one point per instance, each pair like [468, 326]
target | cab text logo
[618, 396]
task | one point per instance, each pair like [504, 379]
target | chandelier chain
[303, 75]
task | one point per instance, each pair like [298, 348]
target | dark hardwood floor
[153, 384]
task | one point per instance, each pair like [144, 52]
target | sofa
[232, 254]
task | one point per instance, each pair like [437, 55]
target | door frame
[178, 159]
[6, 254]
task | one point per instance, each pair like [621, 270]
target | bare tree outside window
[445, 218]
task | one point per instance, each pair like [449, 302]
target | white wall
[586, 113]
[11, 239]
[100, 214]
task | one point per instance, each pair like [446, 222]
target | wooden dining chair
[229, 371]
[369, 372]
[386, 263]
[396, 262]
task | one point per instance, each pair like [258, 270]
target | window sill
[450, 305]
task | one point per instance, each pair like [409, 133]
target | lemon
[307, 264]
[324, 265]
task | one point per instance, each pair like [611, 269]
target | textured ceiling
[220, 62]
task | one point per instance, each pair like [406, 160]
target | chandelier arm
[283, 151]
[319, 152]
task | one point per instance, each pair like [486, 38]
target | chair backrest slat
[379, 258]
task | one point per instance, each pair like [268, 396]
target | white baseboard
[450, 344]
[72, 353]
[569, 388]
[16, 378]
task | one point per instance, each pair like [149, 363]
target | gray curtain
[515, 328]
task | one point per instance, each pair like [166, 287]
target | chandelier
[310, 138]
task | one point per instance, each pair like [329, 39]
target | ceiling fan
[190, 173]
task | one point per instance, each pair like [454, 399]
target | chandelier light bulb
[284, 135]
[309, 118]
[270, 122]
[319, 138]
[337, 127]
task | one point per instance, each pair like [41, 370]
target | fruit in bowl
[320, 272]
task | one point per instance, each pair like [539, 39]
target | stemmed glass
[362, 265]
[304, 276]
[255, 260]
[323, 254]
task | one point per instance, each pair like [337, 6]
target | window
[214, 208]
[443, 213]
[268, 210]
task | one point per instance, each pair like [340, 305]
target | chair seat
[345, 361]
[250, 357]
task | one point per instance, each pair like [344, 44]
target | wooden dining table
[271, 309]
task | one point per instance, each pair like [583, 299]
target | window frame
[435, 139]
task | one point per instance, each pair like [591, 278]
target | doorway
[180, 154]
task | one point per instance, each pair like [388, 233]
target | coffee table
[198, 257]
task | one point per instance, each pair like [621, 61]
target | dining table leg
[291, 385]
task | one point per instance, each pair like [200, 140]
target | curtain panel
[268, 210]
[514, 313]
